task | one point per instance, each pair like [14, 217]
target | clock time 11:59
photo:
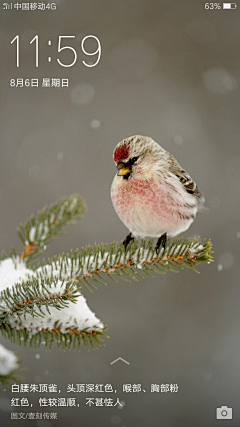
[62, 46]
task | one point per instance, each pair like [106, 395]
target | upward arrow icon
[119, 358]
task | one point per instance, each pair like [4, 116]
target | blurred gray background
[170, 70]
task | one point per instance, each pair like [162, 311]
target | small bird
[151, 193]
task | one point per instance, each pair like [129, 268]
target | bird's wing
[186, 180]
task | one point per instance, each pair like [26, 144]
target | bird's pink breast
[144, 206]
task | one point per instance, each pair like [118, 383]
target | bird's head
[139, 156]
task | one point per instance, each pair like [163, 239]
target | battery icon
[229, 5]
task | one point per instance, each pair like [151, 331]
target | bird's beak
[123, 169]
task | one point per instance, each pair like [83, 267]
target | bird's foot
[161, 241]
[128, 239]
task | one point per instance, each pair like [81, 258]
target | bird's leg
[128, 239]
[161, 241]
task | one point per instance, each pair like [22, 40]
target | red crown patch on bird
[121, 153]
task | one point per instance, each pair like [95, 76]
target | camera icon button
[224, 413]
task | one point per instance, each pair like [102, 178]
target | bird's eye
[133, 159]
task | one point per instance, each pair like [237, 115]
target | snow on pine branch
[73, 317]
[32, 299]
[97, 262]
[8, 361]
[38, 231]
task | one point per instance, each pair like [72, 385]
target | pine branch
[35, 298]
[38, 231]
[13, 377]
[30, 296]
[93, 264]
[72, 339]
